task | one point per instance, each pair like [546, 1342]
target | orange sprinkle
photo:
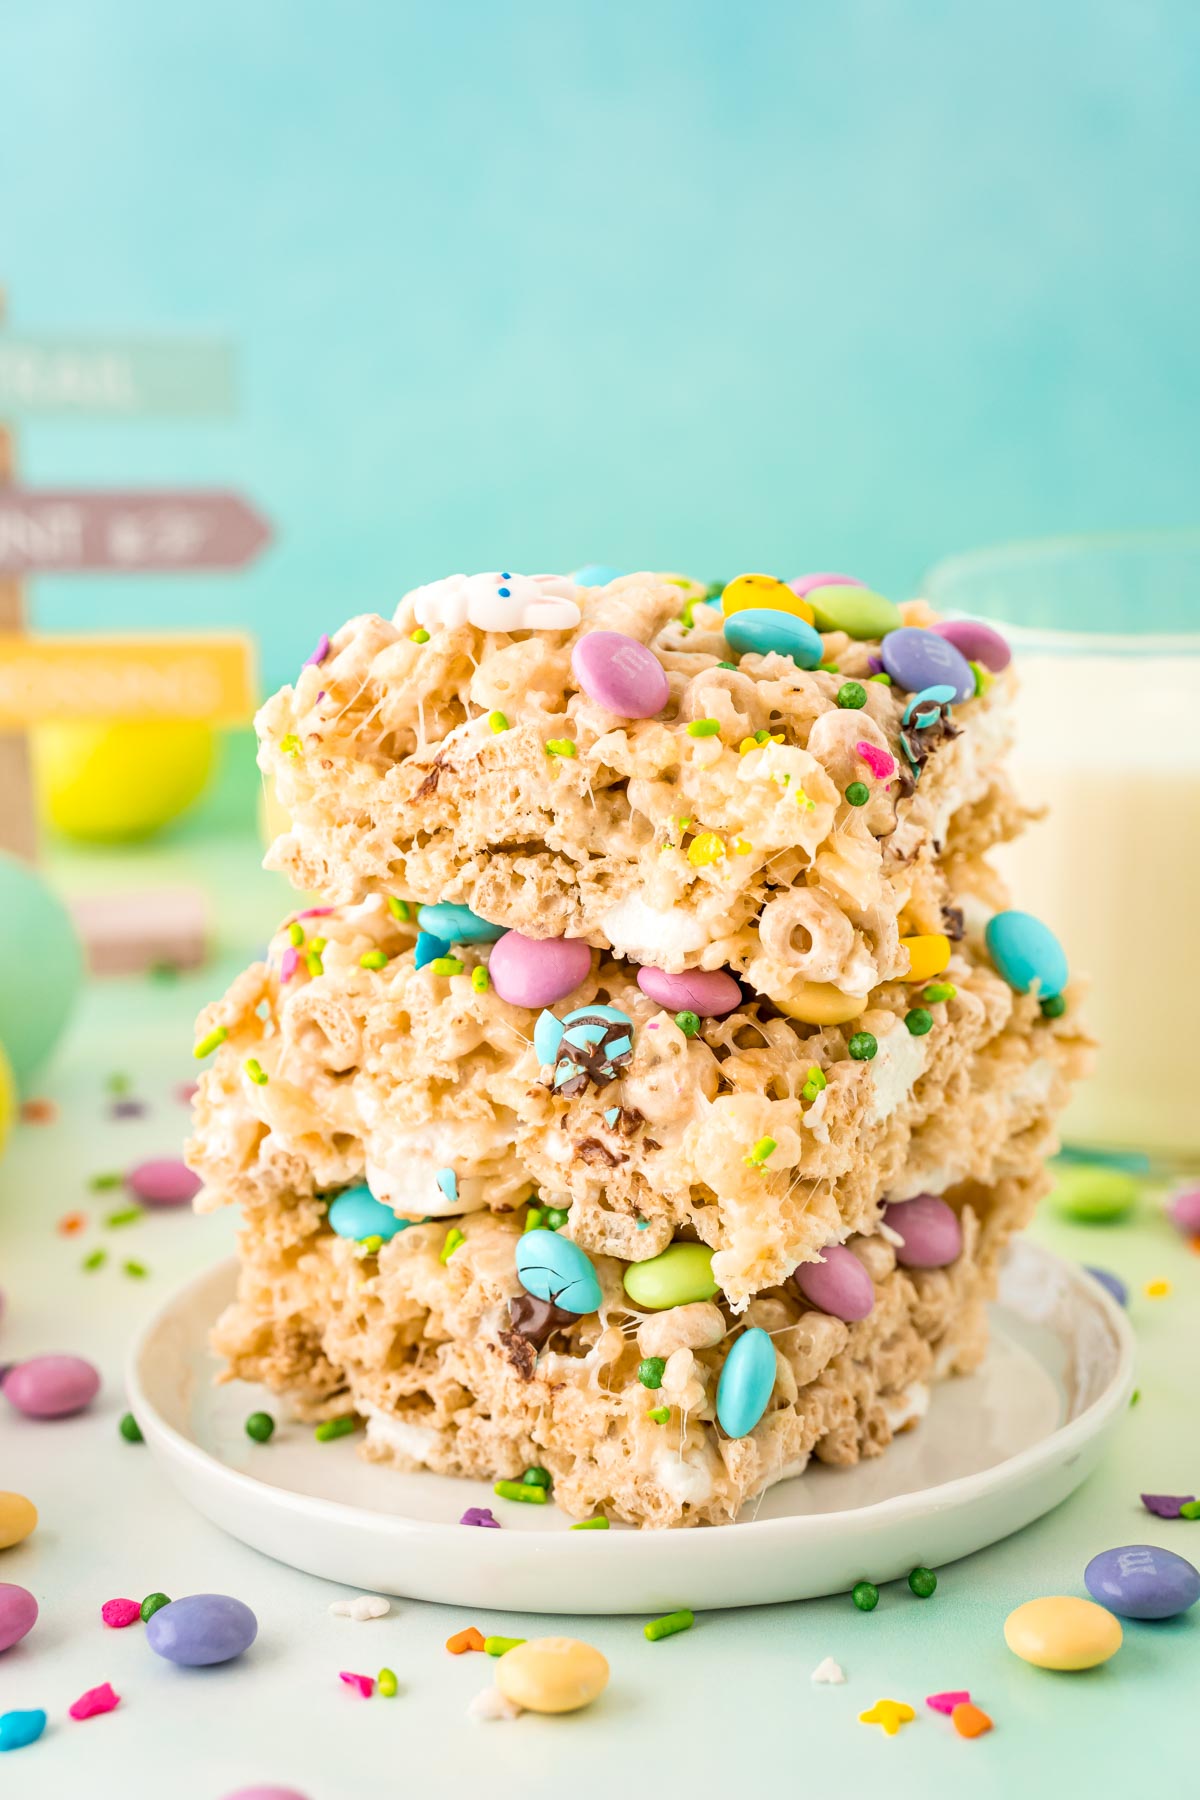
[969, 1721]
[39, 1112]
[1194, 1244]
[72, 1223]
[470, 1639]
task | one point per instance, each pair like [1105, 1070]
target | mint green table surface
[726, 1708]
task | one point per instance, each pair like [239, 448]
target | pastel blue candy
[551, 1267]
[916, 659]
[547, 1036]
[940, 694]
[457, 925]
[761, 629]
[746, 1382]
[595, 575]
[1111, 1283]
[1142, 1581]
[428, 947]
[1027, 953]
[447, 1180]
[20, 1728]
[585, 1027]
[357, 1214]
[202, 1629]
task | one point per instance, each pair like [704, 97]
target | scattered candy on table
[1184, 1211]
[922, 1582]
[119, 1613]
[363, 1685]
[164, 1181]
[363, 1606]
[51, 1387]
[95, 1701]
[969, 1721]
[1167, 1506]
[470, 1638]
[386, 1684]
[552, 1675]
[18, 1516]
[669, 1625]
[1142, 1581]
[201, 1629]
[153, 1603]
[891, 1714]
[946, 1702]
[20, 1728]
[1062, 1632]
[865, 1596]
[1112, 1284]
[828, 1672]
[266, 1793]
[1091, 1194]
[480, 1515]
[18, 1614]
[260, 1426]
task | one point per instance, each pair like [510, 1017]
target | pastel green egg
[678, 1275]
[1093, 1195]
[856, 611]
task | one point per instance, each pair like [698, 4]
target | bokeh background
[653, 284]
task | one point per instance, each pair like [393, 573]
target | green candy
[1092, 1195]
[865, 1596]
[154, 1603]
[678, 1275]
[259, 1426]
[922, 1582]
[537, 1476]
[651, 1370]
[129, 1429]
[856, 611]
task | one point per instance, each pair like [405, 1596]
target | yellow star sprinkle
[891, 1714]
[1157, 1290]
[707, 848]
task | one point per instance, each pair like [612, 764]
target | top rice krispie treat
[772, 781]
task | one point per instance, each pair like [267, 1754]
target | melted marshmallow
[639, 932]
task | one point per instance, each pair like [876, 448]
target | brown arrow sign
[61, 532]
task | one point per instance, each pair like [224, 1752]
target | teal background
[654, 284]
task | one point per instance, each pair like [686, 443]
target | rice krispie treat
[690, 782]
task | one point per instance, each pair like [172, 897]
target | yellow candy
[18, 1516]
[751, 591]
[1061, 1632]
[820, 1003]
[107, 782]
[552, 1675]
[8, 1098]
[691, 589]
[707, 848]
[927, 956]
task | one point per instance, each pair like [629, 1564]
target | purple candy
[1185, 1211]
[804, 584]
[1142, 1581]
[917, 659]
[837, 1283]
[930, 1229]
[1166, 1506]
[708, 992]
[1111, 1283]
[977, 642]
[51, 1387]
[620, 674]
[201, 1629]
[531, 972]
[18, 1614]
[480, 1515]
[164, 1181]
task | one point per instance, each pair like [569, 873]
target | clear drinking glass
[1106, 638]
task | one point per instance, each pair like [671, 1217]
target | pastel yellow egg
[688, 587]
[820, 1003]
[552, 1674]
[109, 781]
[1062, 1632]
[927, 956]
[748, 592]
[18, 1516]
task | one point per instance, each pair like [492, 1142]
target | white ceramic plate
[996, 1450]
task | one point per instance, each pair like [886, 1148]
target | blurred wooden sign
[210, 677]
[49, 532]
[116, 377]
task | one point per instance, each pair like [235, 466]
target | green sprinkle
[480, 980]
[136, 1270]
[704, 728]
[208, 1044]
[386, 1683]
[651, 1370]
[659, 1414]
[399, 909]
[313, 963]
[761, 1151]
[536, 1476]
[919, 1020]
[851, 695]
[497, 721]
[497, 1646]
[858, 793]
[419, 636]
[683, 1620]
[259, 1426]
[599, 1523]
[1053, 1006]
[560, 747]
[688, 1023]
[534, 1218]
[922, 1581]
[983, 678]
[828, 668]
[329, 1429]
[1190, 1508]
[521, 1490]
[454, 1238]
[372, 1245]
[118, 1084]
[154, 1603]
[816, 1078]
[290, 744]
[447, 965]
[125, 1215]
[95, 1260]
[556, 1217]
[886, 679]
[295, 934]
[98, 1183]
[939, 990]
[725, 665]
[129, 1429]
[1133, 1400]
[318, 944]
[862, 1046]
[865, 1596]
[373, 959]
[255, 1071]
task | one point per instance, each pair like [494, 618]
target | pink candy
[1185, 1211]
[51, 1387]
[930, 1229]
[164, 1181]
[289, 962]
[97, 1700]
[362, 1684]
[620, 674]
[18, 1613]
[804, 584]
[946, 1703]
[708, 992]
[976, 641]
[120, 1613]
[880, 762]
[532, 972]
[267, 1793]
[836, 1283]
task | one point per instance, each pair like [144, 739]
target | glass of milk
[1106, 636]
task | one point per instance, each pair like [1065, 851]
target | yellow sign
[201, 677]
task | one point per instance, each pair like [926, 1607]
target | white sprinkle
[890, 1235]
[489, 1704]
[363, 1606]
[829, 1671]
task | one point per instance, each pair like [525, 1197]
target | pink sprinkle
[316, 912]
[363, 1684]
[97, 1700]
[946, 1703]
[119, 1613]
[289, 964]
[880, 762]
[319, 654]
[185, 1093]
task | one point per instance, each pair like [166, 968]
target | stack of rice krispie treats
[651, 1097]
